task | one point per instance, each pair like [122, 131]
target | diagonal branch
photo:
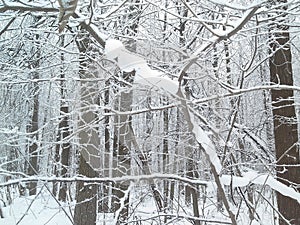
[21, 8]
[216, 39]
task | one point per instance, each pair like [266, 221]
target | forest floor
[35, 210]
[43, 209]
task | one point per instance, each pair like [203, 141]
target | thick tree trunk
[122, 148]
[86, 195]
[285, 124]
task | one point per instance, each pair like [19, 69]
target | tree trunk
[86, 195]
[33, 128]
[285, 124]
[166, 153]
[64, 152]
[192, 195]
[104, 203]
[63, 147]
[122, 148]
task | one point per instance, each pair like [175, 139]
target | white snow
[128, 61]
[164, 83]
[260, 179]
[43, 210]
[113, 48]
[202, 137]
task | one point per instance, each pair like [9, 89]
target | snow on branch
[39, 7]
[128, 61]
[100, 180]
[202, 137]
[33, 7]
[253, 177]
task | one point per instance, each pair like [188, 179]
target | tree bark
[33, 128]
[122, 147]
[285, 123]
[86, 195]
[63, 147]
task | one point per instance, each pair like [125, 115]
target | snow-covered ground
[35, 210]
[44, 209]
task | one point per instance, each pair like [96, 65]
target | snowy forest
[147, 112]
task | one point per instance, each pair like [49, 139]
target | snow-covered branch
[93, 180]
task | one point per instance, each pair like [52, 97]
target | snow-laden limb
[122, 204]
[144, 75]
[133, 178]
[127, 61]
[236, 92]
[202, 137]
[31, 4]
[252, 177]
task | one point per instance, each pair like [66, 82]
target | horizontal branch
[179, 216]
[105, 179]
[235, 181]
[236, 92]
[22, 8]
[36, 8]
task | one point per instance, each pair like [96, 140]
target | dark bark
[1, 212]
[86, 197]
[33, 146]
[103, 205]
[65, 152]
[285, 123]
[122, 147]
[166, 155]
[63, 147]
[33, 127]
